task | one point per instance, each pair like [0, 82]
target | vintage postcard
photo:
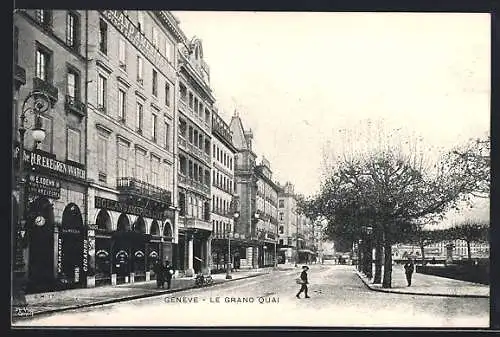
[250, 169]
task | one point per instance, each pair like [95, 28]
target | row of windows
[223, 182]
[102, 90]
[194, 206]
[194, 170]
[73, 140]
[221, 206]
[221, 227]
[122, 61]
[222, 157]
[149, 171]
[72, 31]
[160, 41]
[195, 104]
[194, 135]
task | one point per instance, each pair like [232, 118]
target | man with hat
[303, 282]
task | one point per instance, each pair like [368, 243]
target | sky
[296, 79]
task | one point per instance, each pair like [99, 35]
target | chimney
[249, 138]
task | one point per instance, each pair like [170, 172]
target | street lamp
[36, 103]
[228, 268]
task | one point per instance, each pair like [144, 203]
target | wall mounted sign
[136, 37]
[85, 257]
[39, 160]
[43, 185]
[59, 255]
[122, 207]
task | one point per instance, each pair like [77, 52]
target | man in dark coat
[169, 272]
[304, 282]
[160, 274]
[409, 268]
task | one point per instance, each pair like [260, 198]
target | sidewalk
[428, 285]
[51, 302]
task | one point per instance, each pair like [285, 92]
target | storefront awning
[308, 251]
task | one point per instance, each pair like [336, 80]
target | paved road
[338, 298]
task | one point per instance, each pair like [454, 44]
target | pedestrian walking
[160, 274]
[409, 268]
[303, 282]
[169, 272]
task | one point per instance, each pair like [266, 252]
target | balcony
[198, 224]
[75, 106]
[198, 152]
[19, 76]
[132, 188]
[182, 143]
[193, 183]
[48, 88]
[183, 106]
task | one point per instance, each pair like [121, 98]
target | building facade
[195, 104]
[130, 148]
[49, 56]
[267, 209]
[287, 220]
[224, 203]
[246, 189]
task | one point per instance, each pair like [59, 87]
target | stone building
[195, 103]
[49, 57]
[131, 114]
[224, 204]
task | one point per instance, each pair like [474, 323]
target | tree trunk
[386, 283]
[469, 255]
[422, 250]
[377, 278]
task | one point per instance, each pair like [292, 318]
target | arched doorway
[139, 250]
[167, 249]
[72, 236]
[40, 226]
[153, 248]
[103, 247]
[121, 253]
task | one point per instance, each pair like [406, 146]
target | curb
[417, 294]
[126, 298]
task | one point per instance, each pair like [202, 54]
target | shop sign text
[121, 207]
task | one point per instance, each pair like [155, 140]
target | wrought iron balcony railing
[74, 105]
[48, 88]
[193, 183]
[133, 186]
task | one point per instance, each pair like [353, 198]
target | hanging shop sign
[39, 160]
[136, 37]
[45, 186]
[122, 207]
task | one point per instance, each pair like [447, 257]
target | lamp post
[228, 268]
[36, 103]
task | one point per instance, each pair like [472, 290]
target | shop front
[128, 241]
[54, 193]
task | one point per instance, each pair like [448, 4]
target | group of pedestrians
[163, 273]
